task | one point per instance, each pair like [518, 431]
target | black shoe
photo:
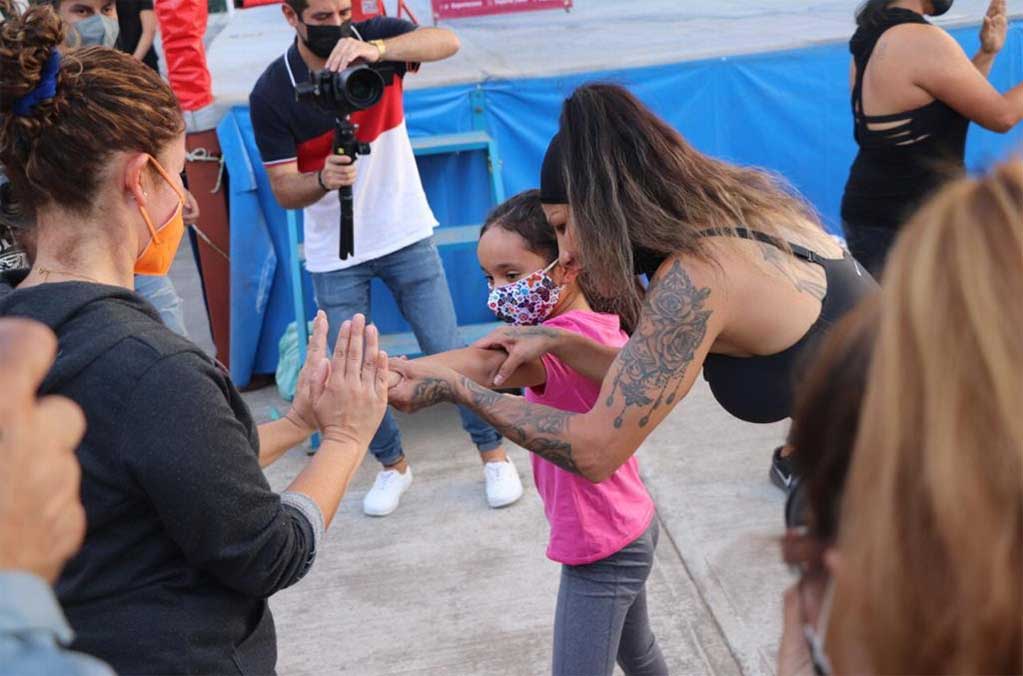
[781, 472]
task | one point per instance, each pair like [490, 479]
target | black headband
[552, 181]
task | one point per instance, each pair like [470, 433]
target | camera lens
[363, 87]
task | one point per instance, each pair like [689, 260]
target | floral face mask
[528, 301]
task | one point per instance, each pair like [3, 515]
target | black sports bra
[759, 389]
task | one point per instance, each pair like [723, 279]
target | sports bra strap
[745, 233]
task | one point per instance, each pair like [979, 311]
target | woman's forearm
[277, 437]
[983, 61]
[325, 479]
[554, 435]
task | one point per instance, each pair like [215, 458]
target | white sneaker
[503, 484]
[386, 493]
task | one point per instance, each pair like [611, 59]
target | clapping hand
[995, 28]
[314, 370]
[351, 400]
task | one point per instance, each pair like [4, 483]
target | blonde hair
[932, 520]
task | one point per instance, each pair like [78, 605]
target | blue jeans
[161, 294]
[415, 277]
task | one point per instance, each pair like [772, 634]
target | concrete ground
[446, 585]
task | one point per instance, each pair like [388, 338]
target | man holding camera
[393, 221]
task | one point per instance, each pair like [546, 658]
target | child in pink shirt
[604, 534]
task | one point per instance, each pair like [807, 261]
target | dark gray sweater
[185, 539]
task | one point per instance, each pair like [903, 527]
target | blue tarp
[786, 111]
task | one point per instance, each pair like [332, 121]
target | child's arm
[480, 366]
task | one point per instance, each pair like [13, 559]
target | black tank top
[759, 389]
[897, 167]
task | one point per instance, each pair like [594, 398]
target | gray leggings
[602, 615]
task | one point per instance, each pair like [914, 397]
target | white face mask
[98, 30]
[816, 636]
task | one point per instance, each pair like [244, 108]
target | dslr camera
[343, 93]
[352, 89]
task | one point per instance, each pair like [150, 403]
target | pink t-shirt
[588, 521]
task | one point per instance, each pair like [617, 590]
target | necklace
[46, 272]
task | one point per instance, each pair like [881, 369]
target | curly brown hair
[106, 102]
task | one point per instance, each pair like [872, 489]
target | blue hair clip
[45, 90]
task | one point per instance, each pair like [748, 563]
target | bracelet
[319, 179]
[379, 44]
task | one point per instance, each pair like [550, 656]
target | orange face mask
[157, 257]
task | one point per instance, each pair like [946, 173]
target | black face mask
[321, 39]
[940, 6]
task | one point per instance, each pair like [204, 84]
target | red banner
[454, 9]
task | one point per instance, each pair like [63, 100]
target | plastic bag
[288, 365]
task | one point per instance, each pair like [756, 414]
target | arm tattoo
[539, 428]
[805, 282]
[654, 361]
[431, 391]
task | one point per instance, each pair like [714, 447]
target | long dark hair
[634, 183]
[523, 214]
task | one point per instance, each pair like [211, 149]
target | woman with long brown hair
[925, 575]
[743, 281]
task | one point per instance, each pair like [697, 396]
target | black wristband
[319, 179]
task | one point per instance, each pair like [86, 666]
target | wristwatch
[379, 44]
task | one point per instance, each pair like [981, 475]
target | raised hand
[995, 28]
[351, 401]
[522, 344]
[314, 370]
